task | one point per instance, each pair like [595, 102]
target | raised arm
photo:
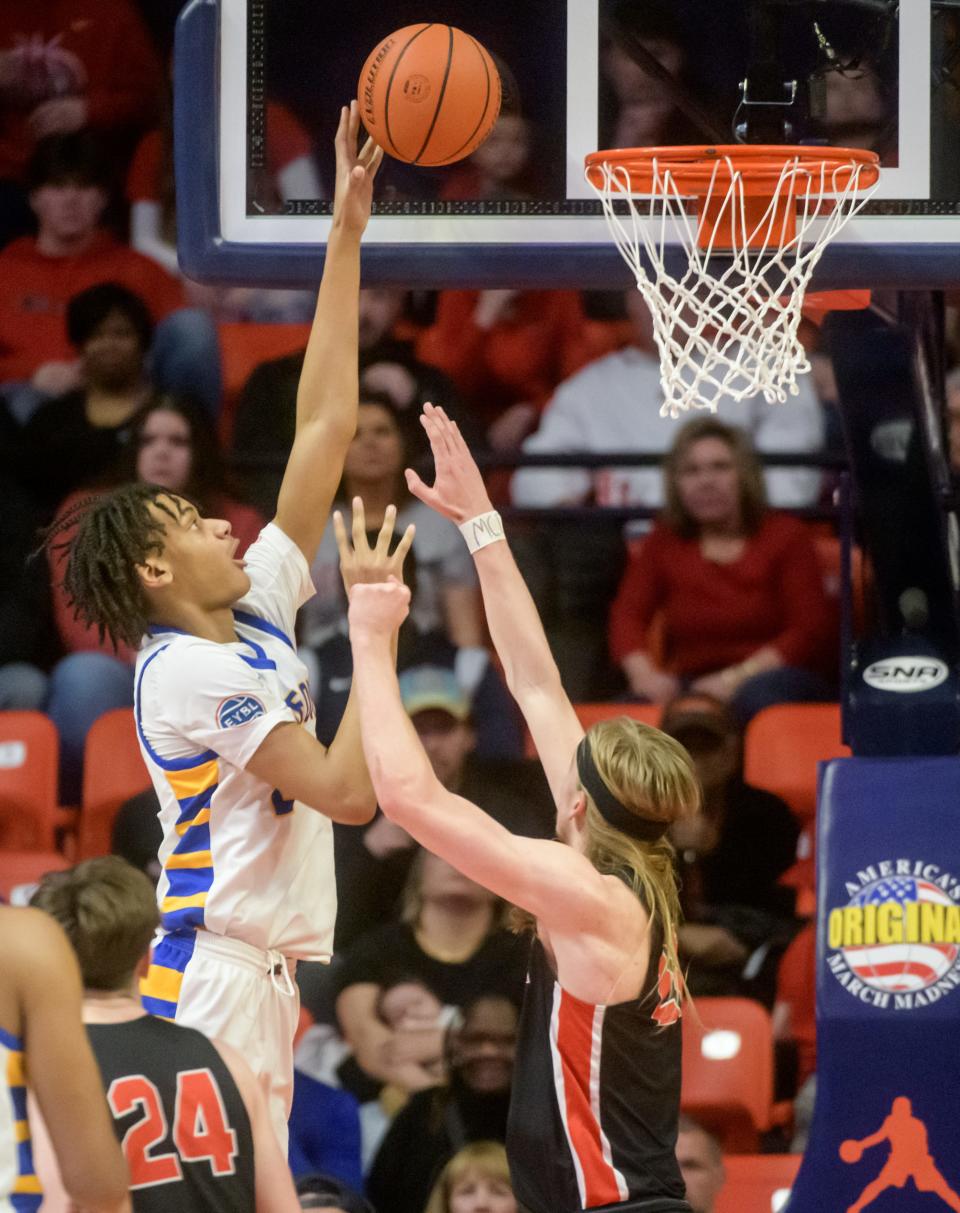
[555, 883]
[328, 392]
[518, 636]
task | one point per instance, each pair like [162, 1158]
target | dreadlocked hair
[105, 538]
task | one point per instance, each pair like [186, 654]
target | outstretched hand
[359, 562]
[378, 609]
[353, 195]
[458, 490]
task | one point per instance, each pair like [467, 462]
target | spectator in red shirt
[170, 443]
[68, 65]
[736, 586]
[71, 252]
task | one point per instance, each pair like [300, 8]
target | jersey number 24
[200, 1129]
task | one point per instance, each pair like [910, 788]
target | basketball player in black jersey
[596, 1090]
[190, 1115]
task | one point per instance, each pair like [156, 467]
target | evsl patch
[239, 709]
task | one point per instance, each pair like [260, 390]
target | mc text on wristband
[483, 530]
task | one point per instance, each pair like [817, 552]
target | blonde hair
[487, 1159]
[653, 776]
[753, 493]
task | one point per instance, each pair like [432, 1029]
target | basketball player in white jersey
[596, 1090]
[43, 1047]
[223, 710]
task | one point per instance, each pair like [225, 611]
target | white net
[728, 326]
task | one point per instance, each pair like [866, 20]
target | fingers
[386, 532]
[353, 126]
[451, 429]
[375, 161]
[404, 546]
[340, 141]
[422, 491]
[430, 420]
[359, 527]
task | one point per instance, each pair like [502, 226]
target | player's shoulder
[29, 939]
[184, 662]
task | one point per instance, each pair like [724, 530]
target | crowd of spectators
[110, 371]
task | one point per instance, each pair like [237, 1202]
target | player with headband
[596, 1092]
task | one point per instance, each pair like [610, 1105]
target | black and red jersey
[596, 1097]
[179, 1117]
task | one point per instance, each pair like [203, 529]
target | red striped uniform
[596, 1095]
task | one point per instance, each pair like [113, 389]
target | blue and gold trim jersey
[19, 1186]
[237, 859]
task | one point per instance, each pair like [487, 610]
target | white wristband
[483, 530]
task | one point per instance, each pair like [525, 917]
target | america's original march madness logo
[895, 945]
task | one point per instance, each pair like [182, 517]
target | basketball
[429, 94]
[850, 1151]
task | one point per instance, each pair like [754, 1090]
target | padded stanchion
[885, 1134]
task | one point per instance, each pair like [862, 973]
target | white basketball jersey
[19, 1186]
[237, 859]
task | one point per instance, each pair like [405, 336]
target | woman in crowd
[451, 940]
[736, 587]
[476, 1178]
[169, 442]
[438, 1123]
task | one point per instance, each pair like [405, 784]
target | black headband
[610, 809]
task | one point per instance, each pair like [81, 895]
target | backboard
[877, 74]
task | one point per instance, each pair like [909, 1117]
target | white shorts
[237, 993]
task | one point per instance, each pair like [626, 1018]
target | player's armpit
[293, 761]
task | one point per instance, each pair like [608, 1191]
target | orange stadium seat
[757, 1183]
[728, 1071]
[783, 745]
[19, 868]
[29, 757]
[590, 713]
[113, 771]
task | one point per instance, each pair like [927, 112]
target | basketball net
[751, 229]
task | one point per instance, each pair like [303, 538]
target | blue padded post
[886, 1133]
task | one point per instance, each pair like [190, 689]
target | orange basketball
[429, 94]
